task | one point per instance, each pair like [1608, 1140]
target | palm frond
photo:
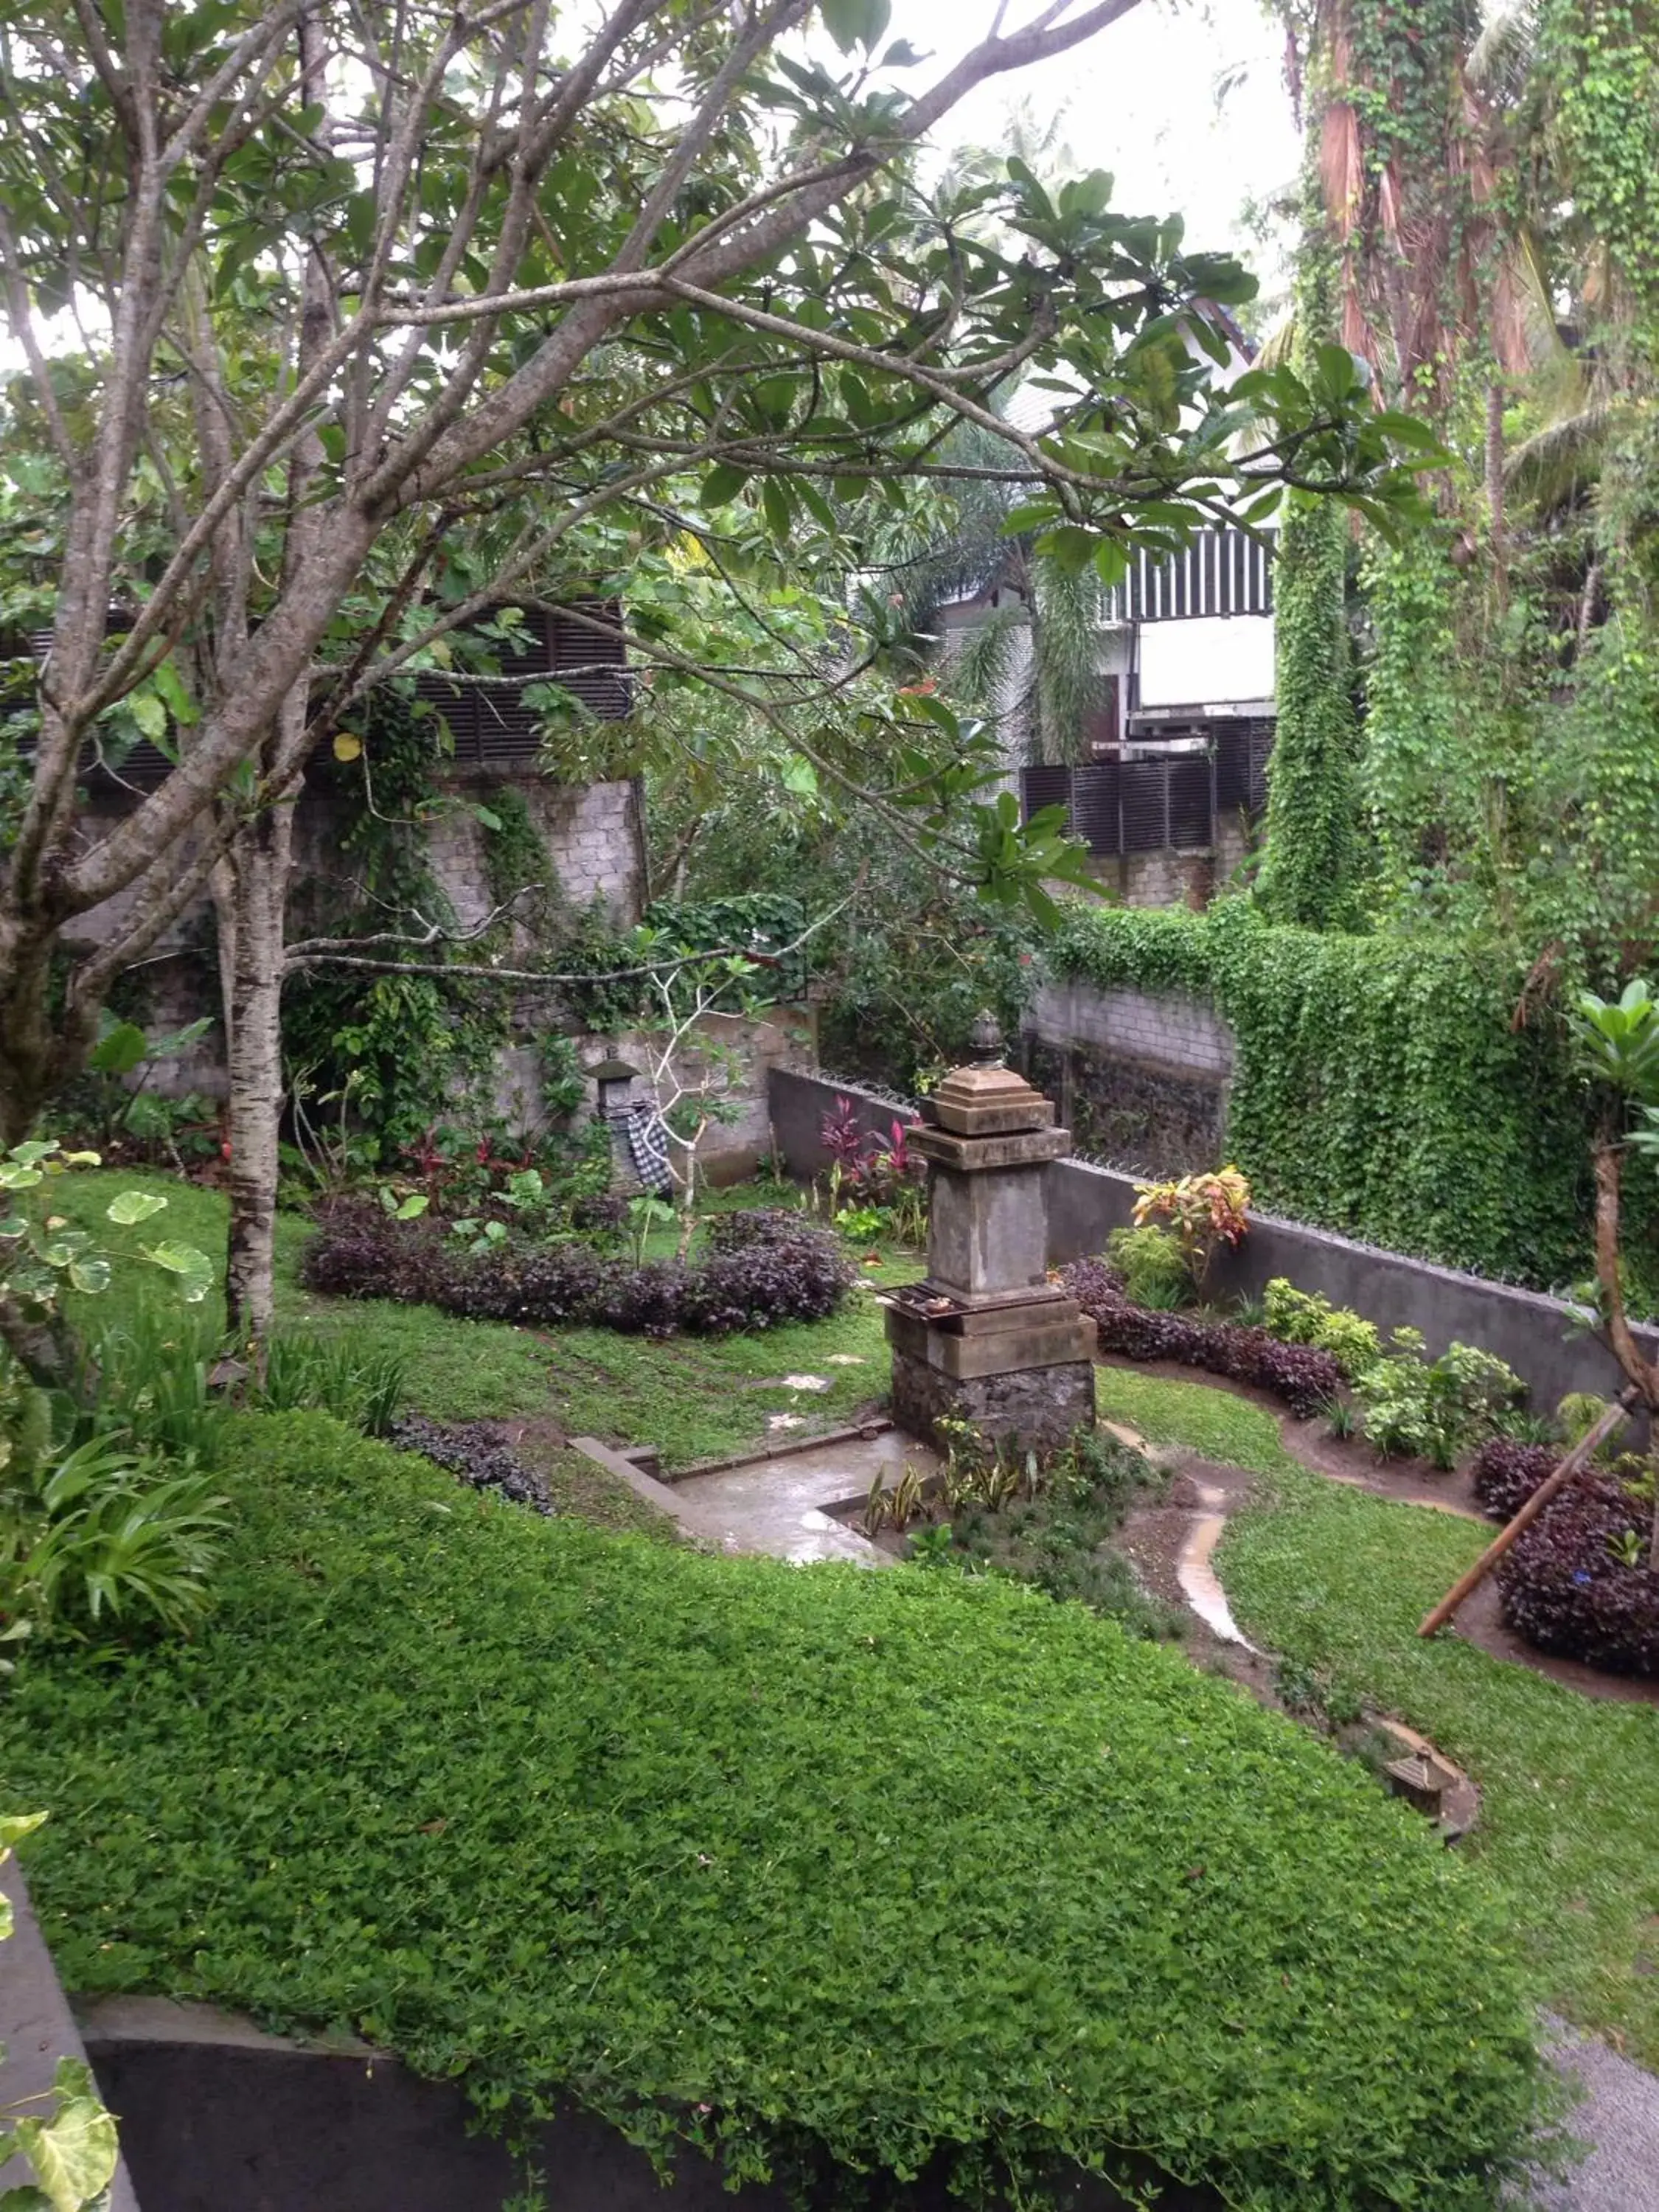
[1561, 462]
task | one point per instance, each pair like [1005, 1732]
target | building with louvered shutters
[1170, 770]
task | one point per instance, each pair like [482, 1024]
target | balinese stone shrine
[987, 1338]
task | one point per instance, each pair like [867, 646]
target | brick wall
[1173, 1033]
[1140, 1081]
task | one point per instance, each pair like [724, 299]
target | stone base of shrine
[1031, 1409]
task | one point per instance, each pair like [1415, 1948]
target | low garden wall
[1535, 1333]
[217, 2116]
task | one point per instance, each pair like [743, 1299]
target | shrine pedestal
[986, 1337]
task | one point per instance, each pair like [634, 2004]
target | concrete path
[777, 1505]
[1619, 2119]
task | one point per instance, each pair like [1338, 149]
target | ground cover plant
[563, 1808]
[1335, 1582]
[1050, 1526]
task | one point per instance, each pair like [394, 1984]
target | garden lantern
[614, 1077]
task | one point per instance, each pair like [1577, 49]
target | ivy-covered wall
[1379, 1088]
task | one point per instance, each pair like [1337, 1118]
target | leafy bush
[98, 1538]
[1304, 1317]
[763, 1267]
[1152, 1265]
[1506, 1471]
[1434, 1409]
[1305, 1376]
[556, 1806]
[1577, 1583]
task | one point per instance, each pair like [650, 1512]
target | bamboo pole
[1590, 1443]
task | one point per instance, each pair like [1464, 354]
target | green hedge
[1379, 1088]
[877, 1866]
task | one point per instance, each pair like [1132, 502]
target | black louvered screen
[1043, 786]
[488, 722]
[1191, 805]
[1095, 795]
[1242, 748]
[1145, 805]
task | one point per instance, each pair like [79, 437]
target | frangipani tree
[357, 283]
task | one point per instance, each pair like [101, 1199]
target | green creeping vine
[1379, 1089]
[774, 1861]
[1307, 868]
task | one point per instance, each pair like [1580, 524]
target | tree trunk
[261, 860]
[45, 1349]
[1497, 532]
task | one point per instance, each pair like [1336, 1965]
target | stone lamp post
[987, 1338]
[614, 1079]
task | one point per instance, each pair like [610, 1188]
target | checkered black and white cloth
[646, 1135]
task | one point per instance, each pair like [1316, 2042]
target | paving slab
[778, 1505]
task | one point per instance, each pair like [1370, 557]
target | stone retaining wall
[1139, 1080]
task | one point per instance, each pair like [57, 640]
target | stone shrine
[987, 1338]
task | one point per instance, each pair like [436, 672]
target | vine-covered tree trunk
[261, 860]
[1307, 870]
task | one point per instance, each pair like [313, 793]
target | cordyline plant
[1201, 1212]
[385, 307]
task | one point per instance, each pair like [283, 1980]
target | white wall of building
[1210, 662]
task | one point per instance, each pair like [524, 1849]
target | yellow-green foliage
[1304, 1317]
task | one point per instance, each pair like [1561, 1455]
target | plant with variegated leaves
[1202, 1212]
[43, 1256]
[69, 2147]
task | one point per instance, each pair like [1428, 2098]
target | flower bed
[760, 1266]
[1504, 1472]
[1305, 1377]
[1576, 1582]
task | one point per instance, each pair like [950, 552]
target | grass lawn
[1569, 1785]
[694, 1398]
[877, 1866]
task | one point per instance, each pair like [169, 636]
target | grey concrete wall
[1535, 1334]
[798, 1104]
[224, 2118]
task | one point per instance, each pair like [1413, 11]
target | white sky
[1141, 99]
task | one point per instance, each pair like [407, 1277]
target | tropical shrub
[1304, 1317]
[1153, 1267]
[475, 1728]
[97, 1539]
[1578, 1583]
[1203, 1211]
[1434, 1409]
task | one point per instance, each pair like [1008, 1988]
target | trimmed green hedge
[877, 1866]
[1379, 1089]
